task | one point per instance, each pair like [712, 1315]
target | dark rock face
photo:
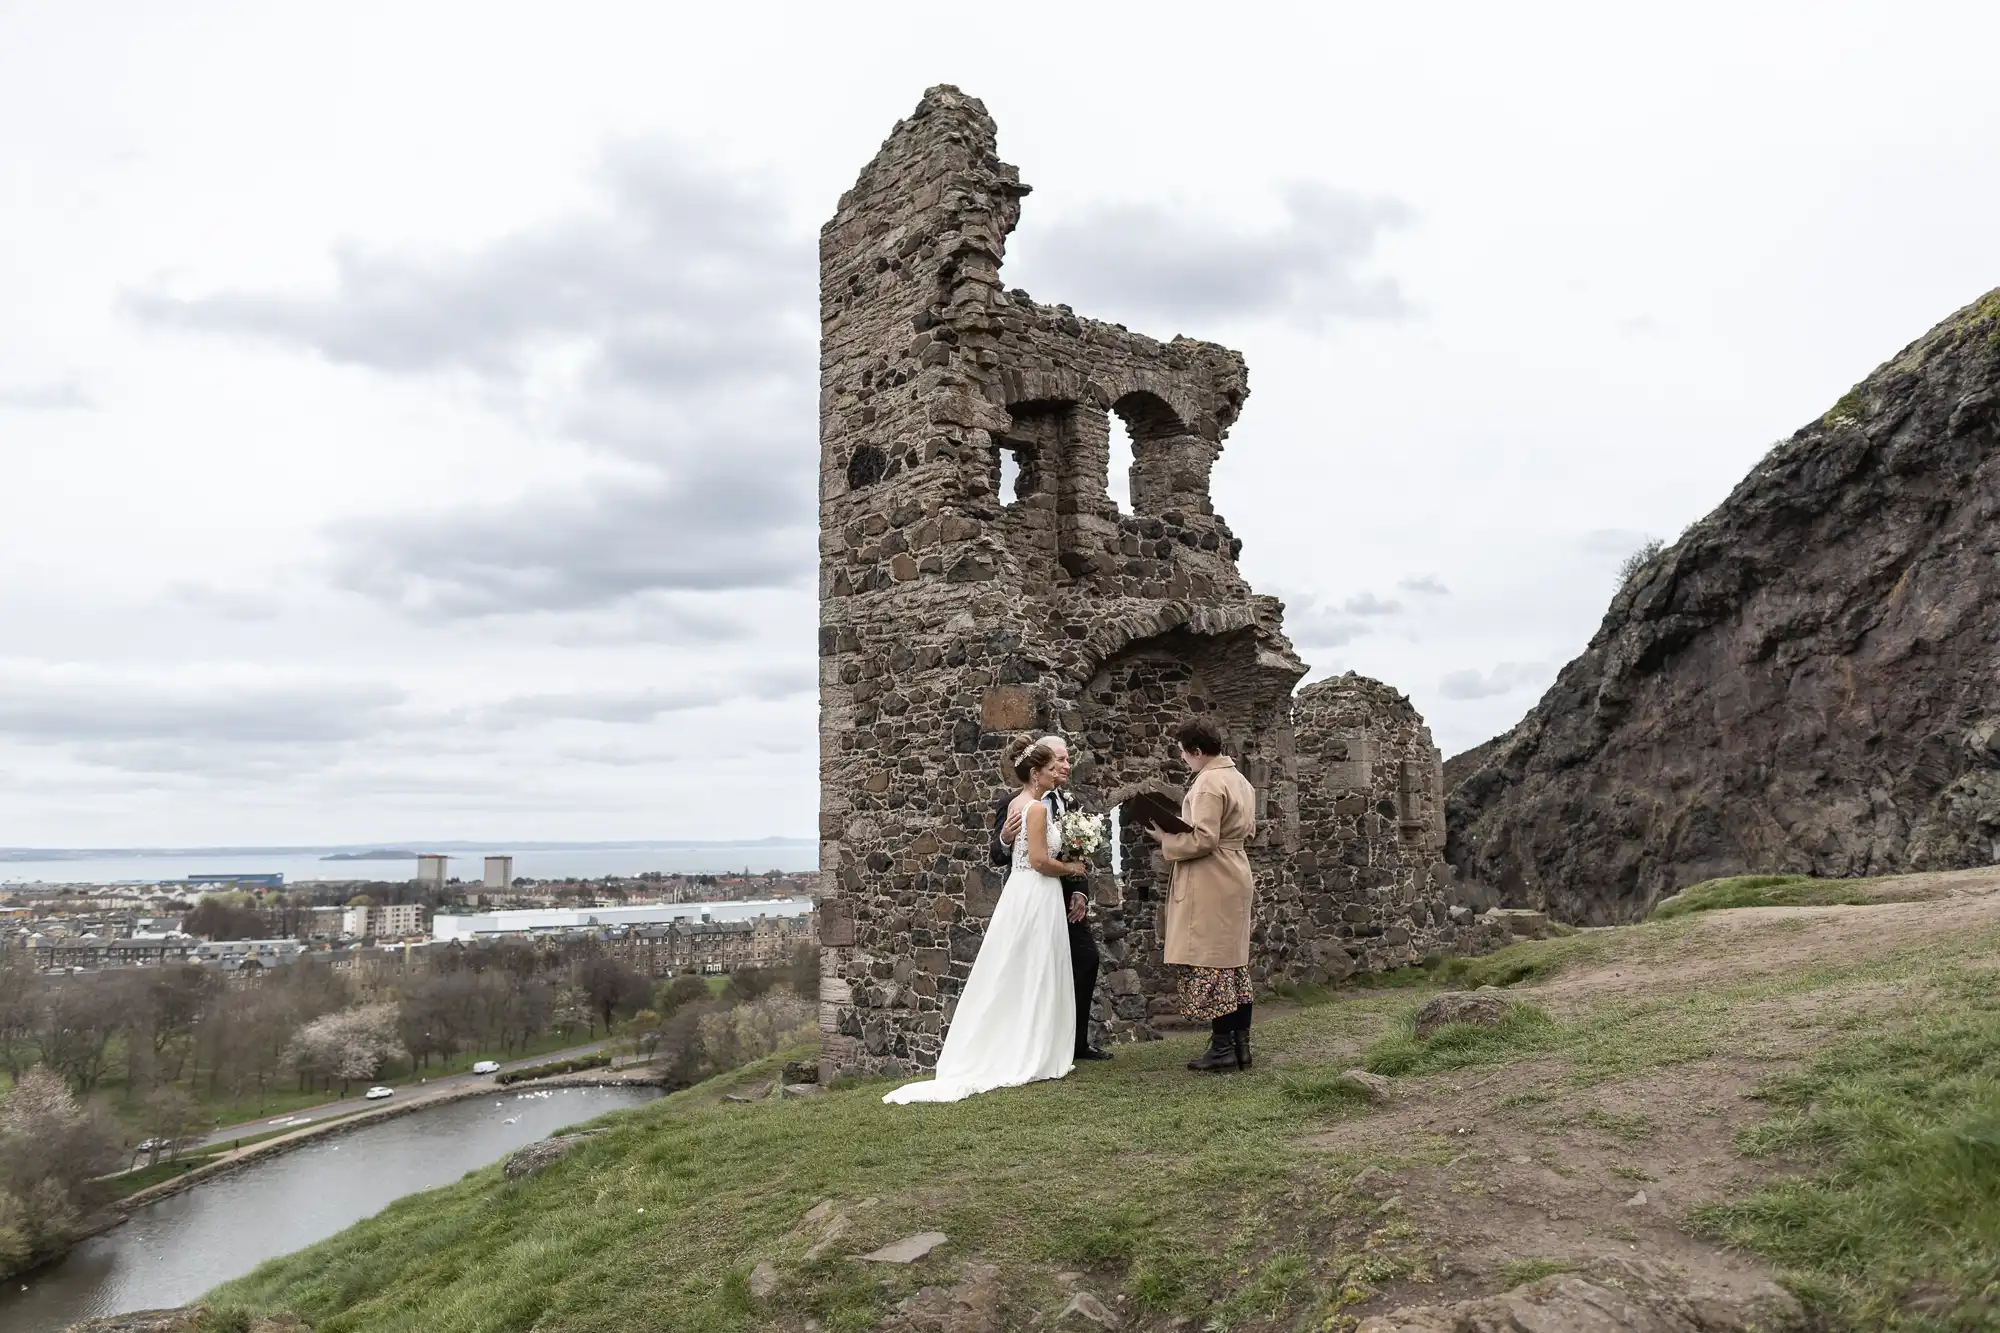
[1807, 681]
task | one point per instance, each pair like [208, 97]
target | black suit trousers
[1083, 964]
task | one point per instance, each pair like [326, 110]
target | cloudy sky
[406, 410]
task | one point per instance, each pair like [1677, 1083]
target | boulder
[1373, 1086]
[1085, 1311]
[1481, 1008]
[1520, 921]
[1801, 683]
[536, 1156]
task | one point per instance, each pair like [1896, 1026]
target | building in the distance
[499, 872]
[230, 880]
[448, 926]
[394, 922]
[431, 869]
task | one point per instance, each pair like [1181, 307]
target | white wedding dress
[1016, 1018]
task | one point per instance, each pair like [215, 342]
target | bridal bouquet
[1080, 836]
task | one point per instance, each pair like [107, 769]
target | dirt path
[1510, 1170]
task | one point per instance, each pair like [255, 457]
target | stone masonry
[1371, 888]
[955, 614]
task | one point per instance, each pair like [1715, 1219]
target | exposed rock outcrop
[1806, 681]
[1635, 1298]
[542, 1153]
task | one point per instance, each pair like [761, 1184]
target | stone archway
[1125, 715]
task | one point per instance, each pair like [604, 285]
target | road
[228, 1134]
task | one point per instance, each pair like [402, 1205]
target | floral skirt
[1207, 993]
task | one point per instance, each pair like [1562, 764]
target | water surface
[172, 1251]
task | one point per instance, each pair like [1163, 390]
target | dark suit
[1083, 959]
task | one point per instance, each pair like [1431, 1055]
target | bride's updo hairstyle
[1023, 755]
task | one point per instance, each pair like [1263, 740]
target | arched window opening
[1123, 457]
[1146, 438]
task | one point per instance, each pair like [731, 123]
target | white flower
[1080, 836]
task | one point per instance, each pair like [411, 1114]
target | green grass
[1776, 891]
[127, 1183]
[1218, 1198]
[1516, 1272]
[1516, 965]
[1096, 1171]
[1896, 1219]
[1522, 1030]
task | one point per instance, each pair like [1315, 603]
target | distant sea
[296, 864]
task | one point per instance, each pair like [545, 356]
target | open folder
[1150, 809]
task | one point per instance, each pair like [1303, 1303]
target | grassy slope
[1217, 1197]
[1780, 891]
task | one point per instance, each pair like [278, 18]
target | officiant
[1209, 901]
[1083, 960]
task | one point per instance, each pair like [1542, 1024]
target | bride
[1016, 1019]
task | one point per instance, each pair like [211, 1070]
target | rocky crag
[1808, 680]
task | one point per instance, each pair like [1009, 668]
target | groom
[1082, 947]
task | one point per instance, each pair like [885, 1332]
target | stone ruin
[955, 613]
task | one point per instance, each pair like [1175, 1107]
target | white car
[487, 1067]
[377, 1094]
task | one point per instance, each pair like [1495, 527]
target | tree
[50, 1150]
[612, 986]
[20, 1003]
[800, 976]
[176, 1000]
[351, 1045]
[752, 1031]
[74, 1028]
[171, 1118]
[216, 918]
[683, 990]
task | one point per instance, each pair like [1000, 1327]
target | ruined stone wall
[1371, 889]
[953, 615]
[956, 611]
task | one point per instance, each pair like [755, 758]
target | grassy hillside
[1813, 1091]
[1789, 891]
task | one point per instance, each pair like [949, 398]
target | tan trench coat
[1208, 905]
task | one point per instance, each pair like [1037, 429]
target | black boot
[1242, 1036]
[1220, 1055]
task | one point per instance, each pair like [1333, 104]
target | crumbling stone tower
[953, 615]
[1373, 890]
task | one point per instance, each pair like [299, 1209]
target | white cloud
[1162, 260]
[1504, 678]
[483, 386]
[53, 396]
